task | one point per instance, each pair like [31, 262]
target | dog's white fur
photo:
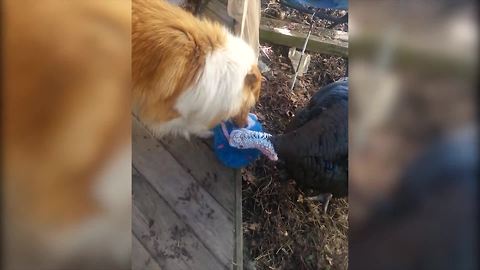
[218, 90]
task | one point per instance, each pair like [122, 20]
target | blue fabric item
[230, 156]
[303, 5]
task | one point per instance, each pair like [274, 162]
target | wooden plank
[238, 259]
[216, 10]
[141, 258]
[177, 2]
[171, 242]
[412, 56]
[202, 164]
[208, 13]
[195, 206]
[323, 32]
[326, 41]
[208, 142]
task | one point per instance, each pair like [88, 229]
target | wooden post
[325, 41]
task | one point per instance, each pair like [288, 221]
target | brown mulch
[273, 9]
[281, 231]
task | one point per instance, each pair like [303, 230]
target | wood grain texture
[197, 208]
[141, 258]
[172, 243]
[217, 10]
[238, 258]
[326, 41]
[200, 162]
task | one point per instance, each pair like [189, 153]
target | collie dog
[66, 135]
[188, 74]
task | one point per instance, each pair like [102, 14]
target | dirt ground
[282, 231]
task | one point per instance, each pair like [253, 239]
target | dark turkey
[318, 6]
[429, 221]
[314, 147]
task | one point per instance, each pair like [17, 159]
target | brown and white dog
[66, 135]
[189, 74]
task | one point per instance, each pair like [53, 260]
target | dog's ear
[251, 94]
[253, 80]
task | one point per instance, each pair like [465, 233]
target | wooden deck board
[197, 208]
[238, 221]
[217, 11]
[141, 258]
[212, 176]
[172, 243]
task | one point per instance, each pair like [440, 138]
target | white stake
[303, 52]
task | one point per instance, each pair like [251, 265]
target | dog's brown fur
[61, 109]
[66, 111]
[169, 48]
[251, 94]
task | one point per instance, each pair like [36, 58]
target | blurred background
[413, 135]
[66, 154]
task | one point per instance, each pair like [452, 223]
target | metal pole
[303, 52]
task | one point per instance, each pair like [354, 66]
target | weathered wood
[325, 41]
[202, 164]
[177, 2]
[141, 258]
[238, 259]
[209, 142]
[172, 243]
[323, 32]
[211, 223]
[217, 11]
[410, 56]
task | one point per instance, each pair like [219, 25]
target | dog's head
[250, 95]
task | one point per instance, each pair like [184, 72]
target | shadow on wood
[185, 205]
